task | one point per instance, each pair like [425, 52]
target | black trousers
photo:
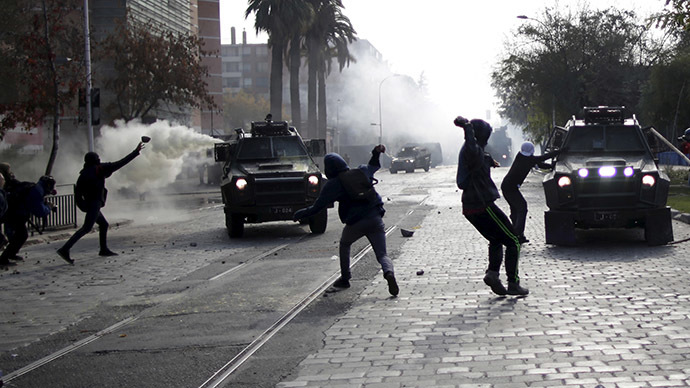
[495, 226]
[93, 216]
[518, 209]
[17, 236]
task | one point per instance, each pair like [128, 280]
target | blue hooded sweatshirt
[349, 211]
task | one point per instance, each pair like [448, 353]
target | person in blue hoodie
[361, 218]
[479, 194]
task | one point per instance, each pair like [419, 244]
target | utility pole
[87, 61]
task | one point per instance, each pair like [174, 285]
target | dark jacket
[481, 190]
[521, 167]
[33, 202]
[91, 182]
[3, 203]
[349, 211]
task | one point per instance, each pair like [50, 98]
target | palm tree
[278, 18]
[328, 37]
[294, 62]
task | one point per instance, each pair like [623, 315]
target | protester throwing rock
[360, 208]
[90, 195]
[479, 194]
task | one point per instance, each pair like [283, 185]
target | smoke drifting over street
[160, 162]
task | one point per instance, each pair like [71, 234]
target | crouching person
[362, 217]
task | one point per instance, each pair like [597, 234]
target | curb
[683, 217]
[63, 234]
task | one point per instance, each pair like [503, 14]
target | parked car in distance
[410, 158]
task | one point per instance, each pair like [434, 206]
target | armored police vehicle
[410, 158]
[605, 177]
[268, 174]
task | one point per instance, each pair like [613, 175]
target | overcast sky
[455, 43]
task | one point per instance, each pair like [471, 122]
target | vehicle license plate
[605, 216]
[281, 210]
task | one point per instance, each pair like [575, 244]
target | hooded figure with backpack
[90, 195]
[479, 194]
[359, 208]
[25, 199]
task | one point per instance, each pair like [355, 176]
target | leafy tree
[677, 17]
[667, 95]
[279, 19]
[41, 48]
[667, 92]
[152, 66]
[562, 62]
[242, 108]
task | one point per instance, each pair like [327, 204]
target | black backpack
[358, 185]
[17, 195]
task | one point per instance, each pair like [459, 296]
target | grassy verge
[679, 198]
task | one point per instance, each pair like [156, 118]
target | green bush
[677, 174]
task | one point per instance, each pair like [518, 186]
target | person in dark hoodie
[479, 194]
[20, 208]
[90, 195]
[361, 218]
[524, 161]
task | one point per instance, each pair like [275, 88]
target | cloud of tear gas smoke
[162, 159]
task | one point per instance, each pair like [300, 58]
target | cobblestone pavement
[613, 313]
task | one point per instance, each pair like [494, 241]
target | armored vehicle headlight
[583, 172]
[241, 183]
[607, 171]
[313, 180]
[564, 181]
[628, 171]
[648, 180]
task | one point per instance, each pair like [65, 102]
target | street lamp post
[380, 121]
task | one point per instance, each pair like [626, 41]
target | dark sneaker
[107, 253]
[492, 280]
[17, 258]
[392, 284]
[6, 263]
[65, 256]
[522, 240]
[515, 289]
[341, 283]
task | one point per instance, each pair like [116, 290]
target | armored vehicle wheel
[658, 228]
[235, 225]
[560, 228]
[426, 168]
[394, 171]
[317, 223]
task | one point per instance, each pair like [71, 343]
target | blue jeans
[373, 229]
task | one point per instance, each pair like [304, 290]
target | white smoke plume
[162, 159]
